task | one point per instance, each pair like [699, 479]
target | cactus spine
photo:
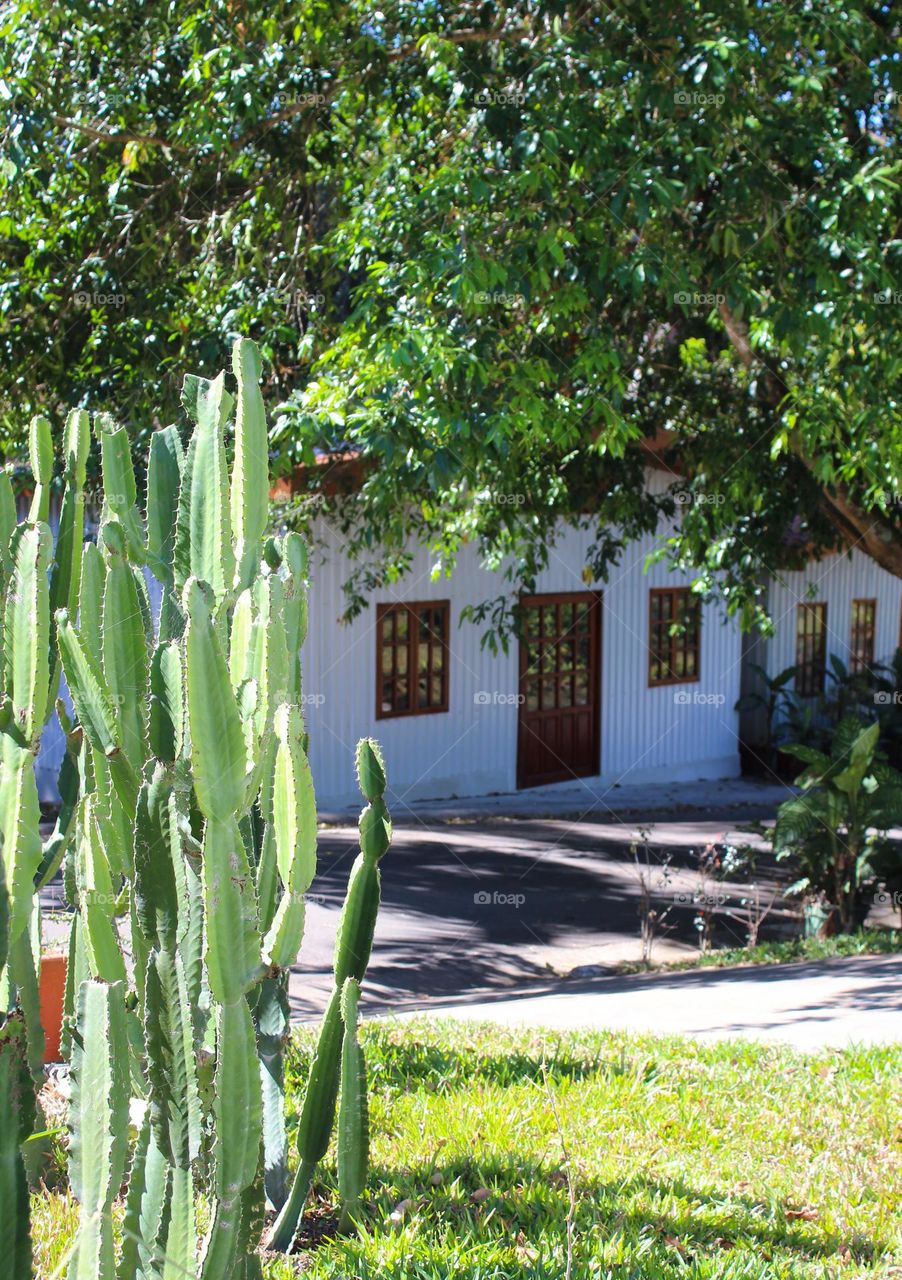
[187, 834]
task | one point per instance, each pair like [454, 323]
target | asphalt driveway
[501, 907]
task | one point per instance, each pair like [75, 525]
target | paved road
[504, 907]
[831, 1003]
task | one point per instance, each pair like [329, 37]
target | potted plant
[52, 989]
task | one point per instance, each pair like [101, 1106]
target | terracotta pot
[53, 987]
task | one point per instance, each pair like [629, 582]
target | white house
[598, 690]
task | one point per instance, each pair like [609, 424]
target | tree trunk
[877, 536]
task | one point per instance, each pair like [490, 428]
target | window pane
[401, 700]
[422, 657]
[581, 696]
[436, 693]
[401, 624]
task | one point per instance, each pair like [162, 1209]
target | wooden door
[560, 690]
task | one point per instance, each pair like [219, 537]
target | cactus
[353, 944]
[188, 828]
[33, 579]
[353, 1113]
[99, 1124]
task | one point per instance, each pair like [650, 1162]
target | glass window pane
[402, 660]
[401, 700]
[581, 695]
[422, 657]
[436, 693]
[401, 624]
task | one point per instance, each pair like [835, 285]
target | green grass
[867, 942]
[732, 1161]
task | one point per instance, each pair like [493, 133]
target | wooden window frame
[811, 688]
[675, 641]
[859, 633]
[412, 608]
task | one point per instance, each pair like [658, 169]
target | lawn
[656, 1159]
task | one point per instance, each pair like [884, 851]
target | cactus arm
[284, 936]
[65, 577]
[166, 718]
[90, 598]
[230, 912]
[145, 1225]
[250, 473]
[171, 1070]
[90, 694]
[119, 489]
[270, 653]
[271, 1020]
[242, 640]
[294, 805]
[99, 1124]
[314, 1126]
[16, 1113]
[21, 841]
[217, 736]
[40, 453]
[209, 548]
[237, 1117]
[352, 952]
[24, 974]
[353, 1113]
[26, 643]
[125, 648]
[94, 704]
[97, 900]
[7, 524]
[294, 561]
[164, 476]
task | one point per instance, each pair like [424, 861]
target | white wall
[647, 735]
[836, 580]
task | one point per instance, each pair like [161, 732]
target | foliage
[495, 251]
[195, 821]
[762, 1175]
[836, 828]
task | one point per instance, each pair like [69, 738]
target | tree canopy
[504, 253]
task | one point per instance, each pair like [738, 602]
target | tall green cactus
[99, 1123]
[195, 832]
[353, 945]
[34, 576]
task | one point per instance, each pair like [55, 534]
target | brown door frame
[595, 653]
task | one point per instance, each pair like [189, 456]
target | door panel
[559, 718]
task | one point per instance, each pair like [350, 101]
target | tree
[507, 255]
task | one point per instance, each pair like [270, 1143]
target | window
[811, 648]
[673, 635]
[861, 644]
[411, 658]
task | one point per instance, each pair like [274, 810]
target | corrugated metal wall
[837, 581]
[662, 734]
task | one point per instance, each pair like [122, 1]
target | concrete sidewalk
[809, 1005]
[584, 799]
